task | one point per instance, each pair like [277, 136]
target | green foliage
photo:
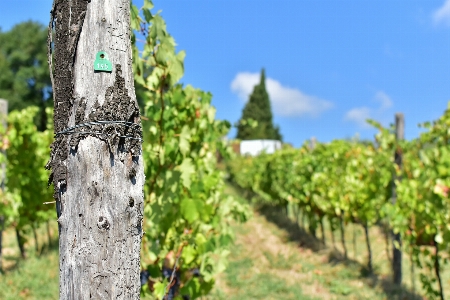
[26, 179]
[36, 277]
[187, 215]
[21, 201]
[186, 212]
[258, 108]
[352, 181]
[9, 202]
[24, 72]
[333, 180]
[421, 213]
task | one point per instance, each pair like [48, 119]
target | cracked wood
[98, 181]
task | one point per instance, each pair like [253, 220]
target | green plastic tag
[102, 63]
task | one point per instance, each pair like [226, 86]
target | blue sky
[329, 64]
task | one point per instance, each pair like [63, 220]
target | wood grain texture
[397, 253]
[100, 190]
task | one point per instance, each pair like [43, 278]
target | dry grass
[36, 277]
[272, 258]
[271, 248]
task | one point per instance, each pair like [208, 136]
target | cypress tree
[259, 109]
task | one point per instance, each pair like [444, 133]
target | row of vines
[186, 214]
[352, 182]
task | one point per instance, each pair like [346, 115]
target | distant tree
[24, 73]
[259, 109]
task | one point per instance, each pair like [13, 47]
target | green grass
[36, 277]
[272, 258]
[278, 261]
[257, 285]
[240, 276]
[275, 258]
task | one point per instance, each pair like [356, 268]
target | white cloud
[359, 115]
[384, 99]
[442, 15]
[243, 84]
[285, 101]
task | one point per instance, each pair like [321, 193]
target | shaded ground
[273, 258]
[35, 278]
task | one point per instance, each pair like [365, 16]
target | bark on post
[21, 244]
[333, 240]
[312, 143]
[97, 168]
[341, 223]
[437, 270]
[322, 229]
[369, 249]
[312, 224]
[397, 253]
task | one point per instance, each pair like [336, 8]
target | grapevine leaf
[185, 136]
[135, 19]
[187, 169]
[148, 4]
[160, 289]
[189, 210]
[147, 15]
[189, 254]
[438, 238]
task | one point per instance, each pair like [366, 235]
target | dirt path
[273, 258]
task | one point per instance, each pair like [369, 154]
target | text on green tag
[102, 62]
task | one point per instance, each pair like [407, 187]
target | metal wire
[71, 130]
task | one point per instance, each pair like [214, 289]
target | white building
[255, 147]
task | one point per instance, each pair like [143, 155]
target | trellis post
[397, 252]
[96, 160]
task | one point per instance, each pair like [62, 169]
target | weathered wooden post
[312, 143]
[397, 253]
[3, 121]
[96, 161]
[312, 222]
